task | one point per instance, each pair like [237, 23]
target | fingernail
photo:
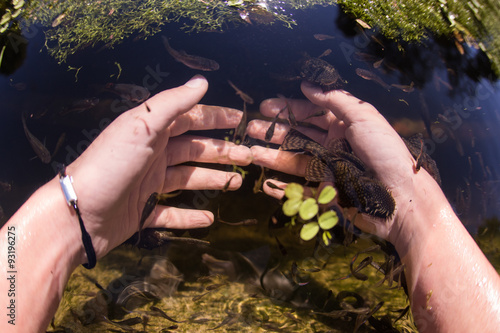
[195, 82]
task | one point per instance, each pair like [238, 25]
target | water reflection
[429, 88]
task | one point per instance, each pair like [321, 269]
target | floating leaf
[309, 230]
[328, 220]
[308, 209]
[327, 195]
[294, 190]
[291, 206]
[325, 239]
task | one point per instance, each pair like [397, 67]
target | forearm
[452, 286]
[48, 248]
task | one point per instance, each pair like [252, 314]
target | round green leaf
[309, 230]
[294, 190]
[291, 206]
[308, 209]
[328, 220]
[327, 195]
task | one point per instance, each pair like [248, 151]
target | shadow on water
[448, 94]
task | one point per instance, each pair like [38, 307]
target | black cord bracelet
[70, 195]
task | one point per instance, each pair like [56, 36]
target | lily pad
[291, 206]
[309, 231]
[308, 209]
[327, 195]
[328, 220]
[294, 190]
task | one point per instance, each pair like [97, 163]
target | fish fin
[318, 171]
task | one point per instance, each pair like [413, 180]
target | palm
[371, 137]
[130, 160]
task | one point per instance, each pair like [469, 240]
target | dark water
[459, 87]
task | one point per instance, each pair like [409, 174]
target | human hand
[371, 137]
[140, 153]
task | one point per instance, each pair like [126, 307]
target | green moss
[238, 305]
[83, 24]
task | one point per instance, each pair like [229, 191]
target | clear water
[446, 83]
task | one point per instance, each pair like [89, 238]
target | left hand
[140, 153]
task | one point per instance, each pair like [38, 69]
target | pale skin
[139, 153]
[452, 286]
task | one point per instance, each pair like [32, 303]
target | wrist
[50, 225]
[422, 209]
[48, 248]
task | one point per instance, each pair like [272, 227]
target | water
[457, 96]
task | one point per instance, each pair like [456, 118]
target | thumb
[344, 105]
[166, 106]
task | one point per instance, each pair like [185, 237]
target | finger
[302, 109]
[284, 161]
[177, 218]
[187, 148]
[365, 128]
[159, 111]
[196, 178]
[203, 117]
[272, 191]
[342, 104]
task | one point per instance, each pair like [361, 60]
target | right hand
[372, 139]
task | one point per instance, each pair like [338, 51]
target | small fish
[404, 87]
[240, 93]
[80, 105]
[59, 144]
[363, 24]
[58, 20]
[245, 222]
[378, 63]
[148, 209]
[40, 150]
[270, 130]
[231, 319]
[159, 312]
[367, 75]
[130, 92]
[356, 271]
[324, 54]
[215, 286]
[291, 116]
[125, 325]
[273, 186]
[320, 113]
[241, 130]
[192, 61]
[322, 37]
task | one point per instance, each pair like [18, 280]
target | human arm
[138, 154]
[452, 286]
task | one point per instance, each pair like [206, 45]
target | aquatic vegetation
[469, 23]
[307, 208]
[111, 22]
[75, 25]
